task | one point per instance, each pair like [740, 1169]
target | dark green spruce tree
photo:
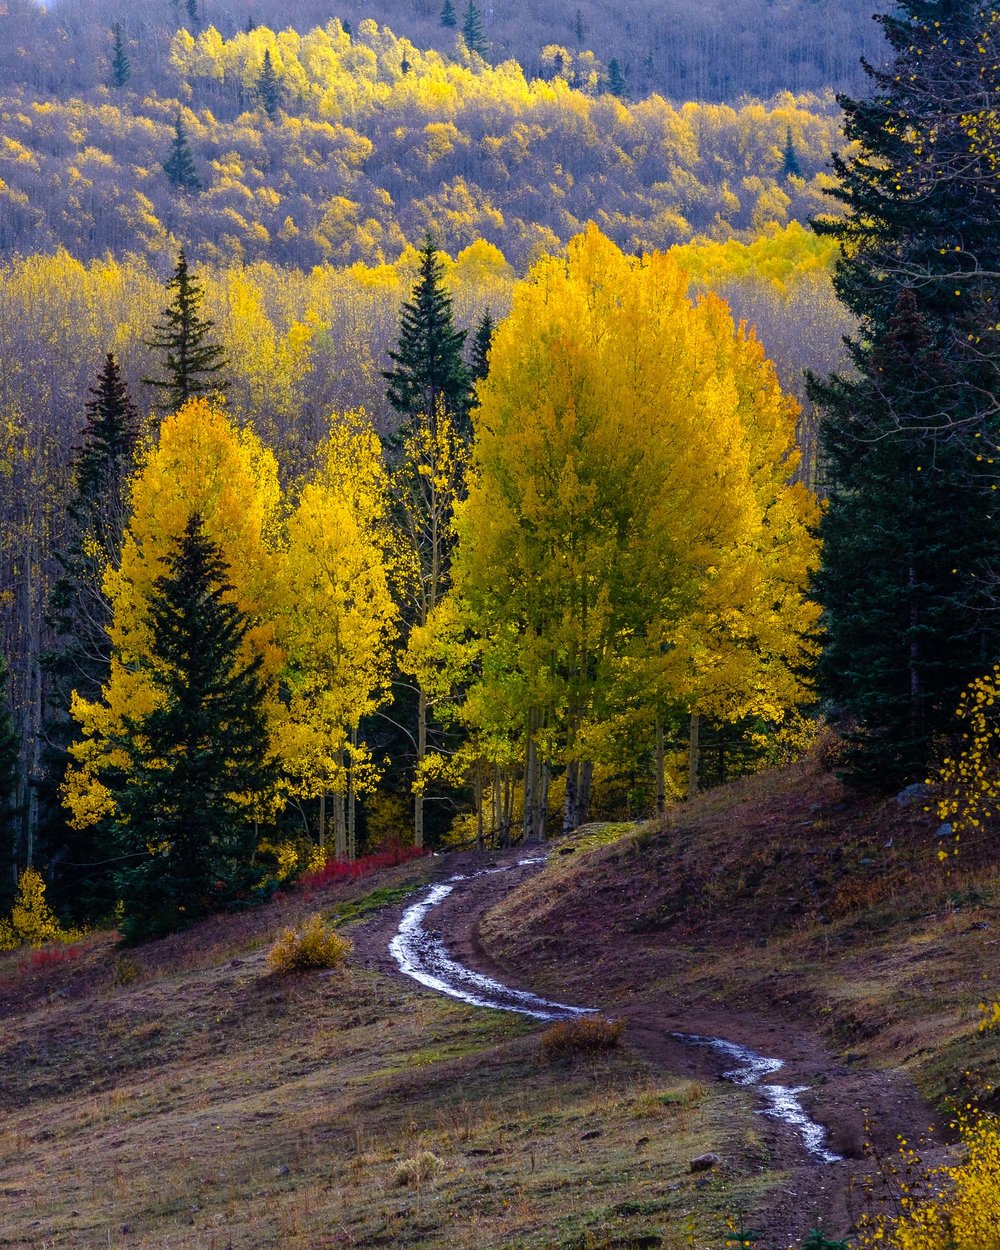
[269, 86]
[185, 830]
[448, 15]
[79, 616]
[908, 583]
[790, 166]
[194, 17]
[8, 791]
[428, 368]
[472, 30]
[192, 363]
[482, 341]
[121, 67]
[616, 79]
[179, 165]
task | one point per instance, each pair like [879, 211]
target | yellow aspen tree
[426, 484]
[200, 464]
[337, 623]
[617, 486]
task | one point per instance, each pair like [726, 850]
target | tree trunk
[541, 821]
[352, 803]
[322, 822]
[661, 776]
[418, 798]
[530, 778]
[479, 808]
[340, 818]
[693, 755]
[570, 805]
[586, 787]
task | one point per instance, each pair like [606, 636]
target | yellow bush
[314, 945]
[32, 922]
[963, 1209]
[418, 1170]
[588, 1035]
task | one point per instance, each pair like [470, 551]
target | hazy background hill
[686, 49]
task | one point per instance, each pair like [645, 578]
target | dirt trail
[853, 1103]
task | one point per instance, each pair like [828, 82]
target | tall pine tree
[121, 67]
[428, 367]
[179, 165]
[472, 30]
[480, 364]
[269, 86]
[79, 615]
[8, 791]
[913, 522]
[199, 766]
[448, 15]
[191, 362]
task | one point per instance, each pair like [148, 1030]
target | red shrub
[351, 869]
[52, 956]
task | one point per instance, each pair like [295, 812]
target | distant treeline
[346, 147]
[714, 50]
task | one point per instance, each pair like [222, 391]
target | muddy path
[831, 1106]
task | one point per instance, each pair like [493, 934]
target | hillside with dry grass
[183, 1094]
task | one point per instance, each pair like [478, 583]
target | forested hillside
[687, 51]
[362, 142]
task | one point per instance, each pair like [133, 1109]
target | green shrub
[313, 945]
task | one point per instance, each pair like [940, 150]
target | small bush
[352, 869]
[32, 922]
[314, 945]
[418, 1170]
[588, 1035]
[52, 956]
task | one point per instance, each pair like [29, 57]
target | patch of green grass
[375, 900]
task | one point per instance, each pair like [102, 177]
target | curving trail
[422, 954]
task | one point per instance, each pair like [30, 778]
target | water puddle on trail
[422, 955]
[783, 1102]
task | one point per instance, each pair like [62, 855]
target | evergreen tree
[472, 30]
[480, 365]
[790, 161]
[191, 362]
[8, 790]
[179, 165]
[199, 766]
[346, 28]
[579, 29]
[121, 68]
[79, 615]
[193, 15]
[448, 15]
[405, 65]
[269, 86]
[912, 526]
[429, 369]
[616, 79]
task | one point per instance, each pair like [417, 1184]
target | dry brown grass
[589, 1035]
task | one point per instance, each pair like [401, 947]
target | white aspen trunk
[661, 778]
[693, 755]
[418, 798]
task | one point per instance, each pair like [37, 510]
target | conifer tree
[448, 15]
[79, 614]
[198, 763]
[428, 367]
[480, 365]
[912, 527]
[191, 361]
[179, 165]
[404, 65]
[193, 15]
[578, 27]
[269, 86]
[121, 68]
[472, 30]
[8, 787]
[616, 79]
[790, 161]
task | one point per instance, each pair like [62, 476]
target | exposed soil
[857, 1104]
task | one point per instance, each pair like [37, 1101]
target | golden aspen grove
[499, 648]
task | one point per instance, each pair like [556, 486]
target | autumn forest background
[445, 427]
